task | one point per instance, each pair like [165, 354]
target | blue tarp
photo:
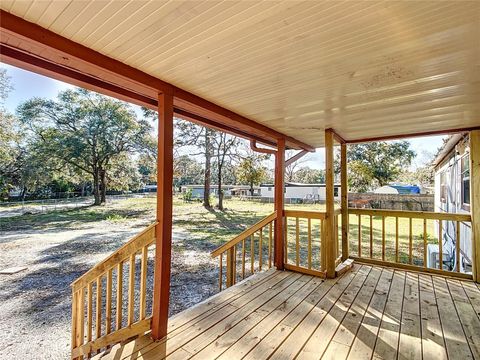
[406, 189]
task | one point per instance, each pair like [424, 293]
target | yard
[58, 246]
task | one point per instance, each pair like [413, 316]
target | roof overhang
[31, 47]
[266, 70]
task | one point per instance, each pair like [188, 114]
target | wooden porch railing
[372, 243]
[305, 239]
[99, 294]
[256, 248]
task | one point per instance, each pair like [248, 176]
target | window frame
[465, 169]
[443, 185]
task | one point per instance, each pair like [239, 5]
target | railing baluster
[234, 264]
[410, 240]
[230, 266]
[243, 259]
[119, 296]
[143, 283]
[359, 235]
[80, 317]
[396, 239]
[252, 254]
[371, 236]
[108, 303]
[323, 263]
[309, 243]
[260, 250]
[89, 311]
[425, 243]
[270, 239]
[220, 272]
[440, 245]
[383, 238]
[286, 240]
[98, 309]
[335, 227]
[297, 241]
[74, 319]
[457, 248]
[131, 290]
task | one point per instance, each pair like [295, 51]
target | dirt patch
[59, 246]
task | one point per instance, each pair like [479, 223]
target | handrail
[243, 235]
[255, 252]
[415, 254]
[146, 237]
[430, 215]
[308, 214]
[99, 294]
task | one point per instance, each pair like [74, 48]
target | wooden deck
[369, 312]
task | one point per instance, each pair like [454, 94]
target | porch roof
[367, 69]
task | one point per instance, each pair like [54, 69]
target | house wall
[300, 192]
[450, 167]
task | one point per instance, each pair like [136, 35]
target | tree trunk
[251, 189]
[103, 187]
[208, 158]
[220, 192]
[96, 187]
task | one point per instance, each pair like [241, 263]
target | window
[269, 188]
[465, 182]
[443, 187]
[335, 191]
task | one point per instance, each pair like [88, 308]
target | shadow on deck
[368, 312]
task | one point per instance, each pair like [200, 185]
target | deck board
[370, 312]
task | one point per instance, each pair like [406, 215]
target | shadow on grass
[46, 291]
[66, 219]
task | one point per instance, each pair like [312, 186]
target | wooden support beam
[163, 231]
[475, 199]
[344, 199]
[279, 204]
[296, 157]
[330, 206]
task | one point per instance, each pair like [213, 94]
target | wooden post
[330, 206]
[344, 194]
[163, 231]
[231, 266]
[475, 199]
[279, 203]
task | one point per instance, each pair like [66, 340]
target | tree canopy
[252, 170]
[377, 163]
[85, 130]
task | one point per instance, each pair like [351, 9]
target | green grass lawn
[221, 226]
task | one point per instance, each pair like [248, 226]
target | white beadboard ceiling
[365, 68]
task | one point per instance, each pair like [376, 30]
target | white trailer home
[452, 195]
[300, 192]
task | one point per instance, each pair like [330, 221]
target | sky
[28, 84]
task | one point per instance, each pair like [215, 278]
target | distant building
[299, 191]
[452, 195]
[228, 190]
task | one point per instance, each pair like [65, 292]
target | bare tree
[225, 148]
[291, 169]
